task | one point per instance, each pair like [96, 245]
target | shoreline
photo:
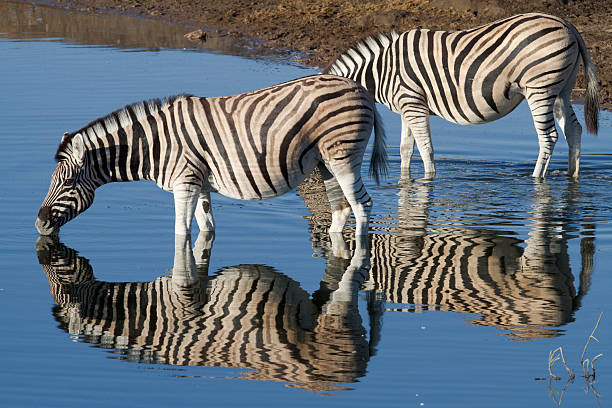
[304, 26]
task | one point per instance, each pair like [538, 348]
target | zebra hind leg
[340, 208]
[572, 130]
[338, 245]
[349, 179]
[419, 127]
[541, 106]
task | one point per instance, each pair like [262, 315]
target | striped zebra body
[477, 76]
[251, 146]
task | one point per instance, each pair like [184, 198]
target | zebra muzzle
[44, 213]
[43, 222]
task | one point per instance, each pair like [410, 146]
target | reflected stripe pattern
[527, 288]
[248, 316]
[472, 271]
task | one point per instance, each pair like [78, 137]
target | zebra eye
[68, 182]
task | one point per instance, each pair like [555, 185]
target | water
[476, 276]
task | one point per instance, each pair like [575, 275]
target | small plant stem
[551, 360]
[570, 373]
[590, 337]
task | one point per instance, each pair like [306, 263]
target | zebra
[249, 146]
[246, 316]
[477, 76]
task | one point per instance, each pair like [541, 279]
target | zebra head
[71, 190]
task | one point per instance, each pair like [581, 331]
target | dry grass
[588, 367]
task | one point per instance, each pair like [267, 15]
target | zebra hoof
[428, 176]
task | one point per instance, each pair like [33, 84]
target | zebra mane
[118, 119]
[361, 48]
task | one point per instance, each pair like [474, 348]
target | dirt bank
[324, 28]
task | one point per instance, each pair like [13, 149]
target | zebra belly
[259, 188]
[485, 113]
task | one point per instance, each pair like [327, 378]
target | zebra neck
[364, 64]
[363, 73]
[122, 156]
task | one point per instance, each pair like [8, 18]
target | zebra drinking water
[250, 146]
[477, 76]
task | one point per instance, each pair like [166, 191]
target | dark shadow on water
[452, 261]
[245, 316]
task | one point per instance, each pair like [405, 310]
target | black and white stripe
[477, 76]
[246, 316]
[527, 288]
[250, 146]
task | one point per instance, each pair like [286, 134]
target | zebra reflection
[525, 287]
[246, 316]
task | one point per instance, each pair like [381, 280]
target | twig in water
[588, 366]
[552, 358]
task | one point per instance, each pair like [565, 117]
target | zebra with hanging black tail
[250, 146]
[477, 76]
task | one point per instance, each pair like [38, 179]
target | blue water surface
[476, 276]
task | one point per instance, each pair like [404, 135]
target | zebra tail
[591, 99]
[378, 161]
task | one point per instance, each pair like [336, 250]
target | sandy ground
[324, 28]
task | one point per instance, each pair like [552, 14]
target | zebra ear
[78, 148]
[64, 137]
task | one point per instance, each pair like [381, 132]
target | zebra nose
[44, 213]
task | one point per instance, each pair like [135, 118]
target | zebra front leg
[203, 212]
[185, 200]
[406, 151]
[340, 208]
[541, 106]
[419, 126]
